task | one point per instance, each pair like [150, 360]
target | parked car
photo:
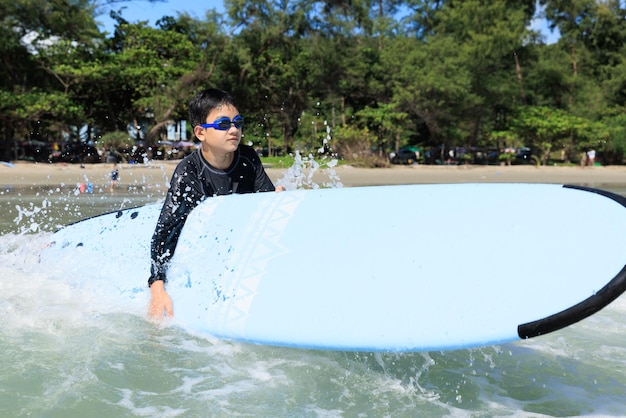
[523, 156]
[76, 152]
[34, 151]
[405, 156]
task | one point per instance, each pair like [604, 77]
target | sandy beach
[159, 173]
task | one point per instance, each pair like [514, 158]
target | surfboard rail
[578, 312]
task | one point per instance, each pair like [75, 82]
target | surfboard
[388, 268]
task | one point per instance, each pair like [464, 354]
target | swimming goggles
[223, 124]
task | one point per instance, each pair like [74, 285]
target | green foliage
[115, 140]
[505, 139]
[543, 128]
[351, 78]
[506, 157]
[357, 145]
[613, 138]
[278, 162]
[432, 85]
[549, 129]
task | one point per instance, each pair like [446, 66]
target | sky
[137, 10]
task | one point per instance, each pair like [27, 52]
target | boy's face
[219, 142]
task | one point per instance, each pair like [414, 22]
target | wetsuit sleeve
[184, 194]
[263, 182]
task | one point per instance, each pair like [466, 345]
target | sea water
[76, 353]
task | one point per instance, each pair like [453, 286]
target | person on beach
[115, 176]
[221, 166]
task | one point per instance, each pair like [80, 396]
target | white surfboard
[393, 268]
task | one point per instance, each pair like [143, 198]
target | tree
[488, 34]
[386, 121]
[272, 81]
[145, 76]
[547, 130]
[432, 83]
[30, 31]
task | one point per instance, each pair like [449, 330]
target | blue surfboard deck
[391, 268]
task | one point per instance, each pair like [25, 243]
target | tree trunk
[518, 72]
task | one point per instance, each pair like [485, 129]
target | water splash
[309, 173]
[305, 172]
[45, 208]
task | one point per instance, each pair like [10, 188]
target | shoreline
[159, 173]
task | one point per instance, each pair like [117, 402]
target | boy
[221, 166]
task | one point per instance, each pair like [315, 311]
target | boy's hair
[205, 101]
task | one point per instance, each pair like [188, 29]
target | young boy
[221, 166]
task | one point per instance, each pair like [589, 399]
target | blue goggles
[223, 124]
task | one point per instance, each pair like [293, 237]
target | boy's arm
[163, 244]
[180, 201]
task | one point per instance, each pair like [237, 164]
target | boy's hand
[280, 188]
[160, 302]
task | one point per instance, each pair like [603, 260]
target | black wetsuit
[193, 181]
